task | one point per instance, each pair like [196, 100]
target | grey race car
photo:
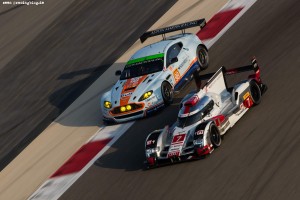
[205, 116]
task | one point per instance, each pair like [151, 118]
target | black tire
[215, 137]
[203, 58]
[255, 92]
[167, 93]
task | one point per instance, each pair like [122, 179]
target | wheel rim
[215, 136]
[202, 56]
[167, 92]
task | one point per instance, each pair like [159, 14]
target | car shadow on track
[66, 95]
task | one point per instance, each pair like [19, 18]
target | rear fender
[239, 91]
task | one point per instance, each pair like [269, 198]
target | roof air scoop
[192, 101]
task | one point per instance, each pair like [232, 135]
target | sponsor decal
[173, 154]
[126, 94]
[176, 145]
[149, 142]
[176, 75]
[178, 138]
[248, 102]
[128, 88]
[183, 63]
[246, 95]
[175, 27]
[199, 132]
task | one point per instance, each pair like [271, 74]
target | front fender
[202, 131]
[157, 88]
[238, 91]
[151, 147]
[105, 97]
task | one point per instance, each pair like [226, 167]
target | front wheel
[167, 93]
[202, 55]
[255, 92]
[215, 136]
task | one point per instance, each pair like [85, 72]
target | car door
[176, 61]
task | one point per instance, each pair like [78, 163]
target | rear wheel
[167, 93]
[202, 56]
[255, 92]
[215, 136]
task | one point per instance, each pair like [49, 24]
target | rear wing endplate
[162, 31]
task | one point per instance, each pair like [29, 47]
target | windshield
[192, 119]
[141, 68]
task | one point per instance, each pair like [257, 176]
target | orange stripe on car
[129, 87]
[176, 74]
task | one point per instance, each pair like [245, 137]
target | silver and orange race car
[154, 72]
[205, 116]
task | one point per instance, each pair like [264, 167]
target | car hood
[178, 139]
[130, 90]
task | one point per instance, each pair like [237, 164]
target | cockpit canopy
[191, 113]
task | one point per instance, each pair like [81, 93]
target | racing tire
[215, 137]
[255, 92]
[167, 93]
[202, 56]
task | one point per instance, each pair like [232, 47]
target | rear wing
[254, 66]
[162, 31]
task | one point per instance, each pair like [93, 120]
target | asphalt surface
[44, 68]
[258, 158]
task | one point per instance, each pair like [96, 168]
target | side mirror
[118, 73]
[174, 60]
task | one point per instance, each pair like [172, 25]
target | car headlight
[128, 107]
[152, 150]
[146, 95]
[107, 104]
[125, 108]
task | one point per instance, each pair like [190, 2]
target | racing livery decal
[176, 75]
[205, 116]
[128, 88]
[176, 145]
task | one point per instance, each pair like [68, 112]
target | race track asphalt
[51, 54]
[258, 158]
